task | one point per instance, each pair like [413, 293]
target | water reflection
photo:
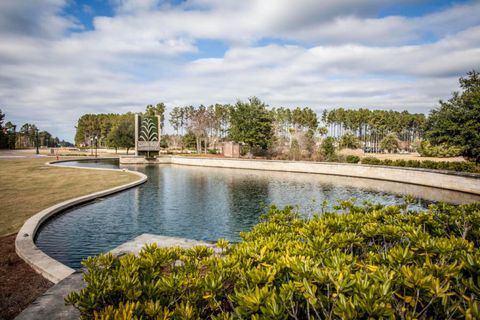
[247, 197]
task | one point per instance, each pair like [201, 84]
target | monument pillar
[147, 135]
[136, 134]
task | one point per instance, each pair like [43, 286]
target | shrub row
[459, 166]
[361, 262]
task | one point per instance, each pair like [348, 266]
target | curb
[25, 247]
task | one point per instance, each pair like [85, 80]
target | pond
[204, 204]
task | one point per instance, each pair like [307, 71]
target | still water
[203, 204]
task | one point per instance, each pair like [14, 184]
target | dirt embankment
[20, 285]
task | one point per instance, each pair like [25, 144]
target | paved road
[18, 154]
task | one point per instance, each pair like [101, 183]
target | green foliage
[442, 150]
[372, 125]
[304, 118]
[459, 166]
[371, 160]
[348, 140]
[11, 137]
[359, 262]
[91, 125]
[252, 124]
[308, 141]
[29, 136]
[209, 124]
[390, 143]
[157, 110]
[164, 138]
[103, 125]
[3, 136]
[189, 140]
[123, 134]
[298, 119]
[322, 131]
[456, 122]
[352, 159]
[327, 149]
[295, 152]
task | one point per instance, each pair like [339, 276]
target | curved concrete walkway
[36, 258]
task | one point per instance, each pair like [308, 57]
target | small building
[231, 150]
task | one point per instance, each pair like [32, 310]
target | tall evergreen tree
[252, 124]
[456, 122]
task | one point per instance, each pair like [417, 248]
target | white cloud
[319, 22]
[51, 77]
[34, 18]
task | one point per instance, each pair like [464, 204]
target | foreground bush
[459, 166]
[425, 149]
[360, 262]
[352, 159]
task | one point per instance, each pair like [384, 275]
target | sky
[60, 59]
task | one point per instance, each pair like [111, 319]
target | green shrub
[371, 160]
[327, 149]
[189, 140]
[413, 164]
[387, 162]
[244, 150]
[463, 166]
[399, 163]
[390, 143]
[425, 149]
[459, 166]
[358, 263]
[352, 159]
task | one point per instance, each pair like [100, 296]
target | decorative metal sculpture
[147, 134]
[148, 130]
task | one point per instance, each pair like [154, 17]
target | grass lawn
[28, 186]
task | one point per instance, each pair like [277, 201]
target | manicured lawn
[28, 186]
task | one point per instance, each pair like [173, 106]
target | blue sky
[63, 58]
[417, 9]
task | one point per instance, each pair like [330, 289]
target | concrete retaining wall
[463, 182]
[36, 258]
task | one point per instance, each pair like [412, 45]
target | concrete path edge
[51, 305]
[25, 247]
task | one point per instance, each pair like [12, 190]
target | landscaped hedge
[352, 159]
[360, 262]
[459, 166]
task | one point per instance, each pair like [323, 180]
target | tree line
[301, 132]
[254, 124]
[27, 136]
[372, 126]
[112, 130]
